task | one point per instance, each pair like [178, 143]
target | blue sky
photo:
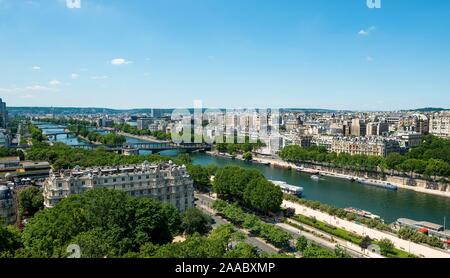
[228, 53]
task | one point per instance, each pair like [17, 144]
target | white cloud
[366, 32]
[27, 96]
[54, 83]
[35, 67]
[30, 88]
[74, 76]
[100, 77]
[73, 4]
[119, 62]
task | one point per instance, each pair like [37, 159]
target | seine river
[390, 205]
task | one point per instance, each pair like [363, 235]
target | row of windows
[106, 181]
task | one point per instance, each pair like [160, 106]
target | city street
[204, 203]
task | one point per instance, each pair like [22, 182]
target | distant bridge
[153, 147]
[52, 127]
[55, 134]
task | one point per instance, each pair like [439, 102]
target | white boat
[363, 213]
[385, 185]
[288, 189]
[315, 177]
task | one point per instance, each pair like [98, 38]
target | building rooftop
[113, 170]
[9, 159]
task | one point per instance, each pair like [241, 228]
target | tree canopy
[99, 220]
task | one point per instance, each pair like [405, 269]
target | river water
[390, 205]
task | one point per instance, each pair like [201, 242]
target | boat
[288, 188]
[385, 185]
[363, 213]
[315, 177]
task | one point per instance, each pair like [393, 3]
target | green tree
[263, 196]
[10, 240]
[386, 246]
[365, 242]
[201, 177]
[301, 244]
[30, 201]
[247, 156]
[128, 223]
[194, 221]
[230, 182]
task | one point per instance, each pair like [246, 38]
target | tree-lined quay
[430, 160]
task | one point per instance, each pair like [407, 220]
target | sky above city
[335, 54]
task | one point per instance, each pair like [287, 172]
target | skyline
[317, 54]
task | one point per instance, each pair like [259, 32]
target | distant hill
[428, 109]
[73, 110]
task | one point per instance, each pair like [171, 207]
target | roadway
[203, 204]
[318, 237]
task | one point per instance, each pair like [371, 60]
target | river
[390, 205]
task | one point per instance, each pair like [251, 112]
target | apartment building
[7, 210]
[375, 146]
[440, 125]
[165, 182]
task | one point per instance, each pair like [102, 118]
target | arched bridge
[153, 147]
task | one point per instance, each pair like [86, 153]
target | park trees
[248, 187]
[120, 223]
[194, 221]
[30, 201]
[230, 182]
[263, 196]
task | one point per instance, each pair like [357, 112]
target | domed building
[7, 211]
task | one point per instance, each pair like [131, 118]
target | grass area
[335, 231]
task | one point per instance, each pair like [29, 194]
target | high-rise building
[358, 128]
[3, 114]
[144, 123]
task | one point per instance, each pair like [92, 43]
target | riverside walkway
[408, 246]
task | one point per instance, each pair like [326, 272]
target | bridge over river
[153, 147]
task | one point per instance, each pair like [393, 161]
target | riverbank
[408, 246]
[287, 165]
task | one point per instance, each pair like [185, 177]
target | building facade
[358, 128]
[440, 125]
[165, 182]
[7, 209]
[3, 114]
[144, 123]
[365, 146]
